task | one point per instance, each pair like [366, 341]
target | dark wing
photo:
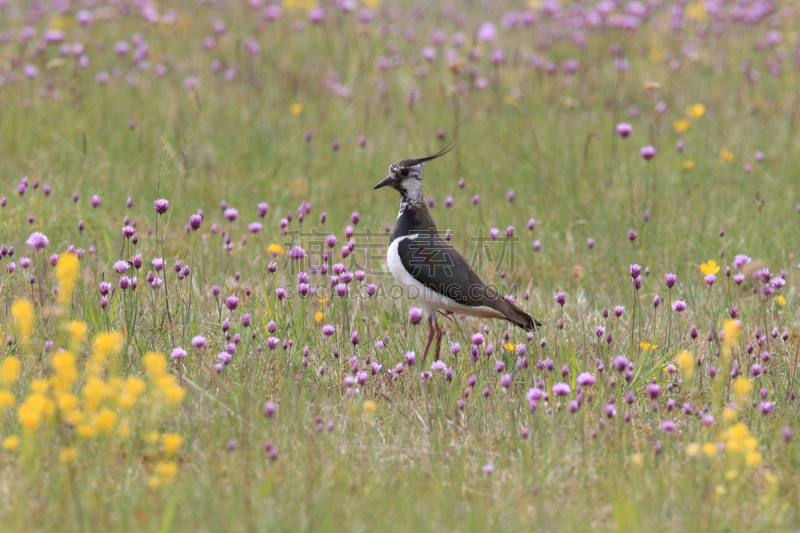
[433, 262]
[437, 265]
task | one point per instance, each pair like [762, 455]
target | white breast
[429, 300]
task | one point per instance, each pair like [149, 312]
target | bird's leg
[439, 333]
[430, 339]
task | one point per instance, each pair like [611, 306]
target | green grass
[415, 463]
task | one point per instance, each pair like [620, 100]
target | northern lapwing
[433, 272]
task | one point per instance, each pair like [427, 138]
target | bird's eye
[404, 172]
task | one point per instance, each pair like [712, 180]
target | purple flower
[232, 302]
[561, 298]
[679, 306]
[270, 409]
[95, 201]
[710, 279]
[198, 341]
[561, 389]
[620, 363]
[654, 390]
[668, 426]
[624, 129]
[670, 279]
[635, 270]
[231, 214]
[195, 221]
[120, 267]
[411, 357]
[37, 241]
[415, 315]
[648, 152]
[585, 379]
[161, 206]
[486, 32]
[178, 354]
[272, 343]
[328, 330]
[296, 253]
[158, 264]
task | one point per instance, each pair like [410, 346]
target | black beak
[386, 181]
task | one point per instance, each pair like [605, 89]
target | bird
[432, 272]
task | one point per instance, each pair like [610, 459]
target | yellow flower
[171, 442]
[35, 407]
[296, 108]
[637, 459]
[372, 3]
[93, 393]
[167, 471]
[781, 300]
[276, 249]
[106, 419]
[646, 346]
[105, 345]
[693, 450]
[688, 164]
[696, 111]
[729, 414]
[318, 317]
[510, 347]
[730, 475]
[134, 386]
[75, 417]
[727, 155]
[730, 331]
[709, 268]
[66, 373]
[124, 429]
[152, 437]
[7, 399]
[720, 490]
[66, 273]
[40, 386]
[742, 386]
[22, 311]
[68, 455]
[9, 371]
[155, 364]
[370, 407]
[686, 362]
[753, 459]
[681, 125]
[654, 55]
[9, 443]
[695, 11]
[174, 395]
[77, 331]
[66, 403]
[86, 431]
[710, 449]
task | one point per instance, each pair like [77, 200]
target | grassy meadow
[200, 333]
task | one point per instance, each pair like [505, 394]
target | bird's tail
[518, 317]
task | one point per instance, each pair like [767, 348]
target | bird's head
[405, 176]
